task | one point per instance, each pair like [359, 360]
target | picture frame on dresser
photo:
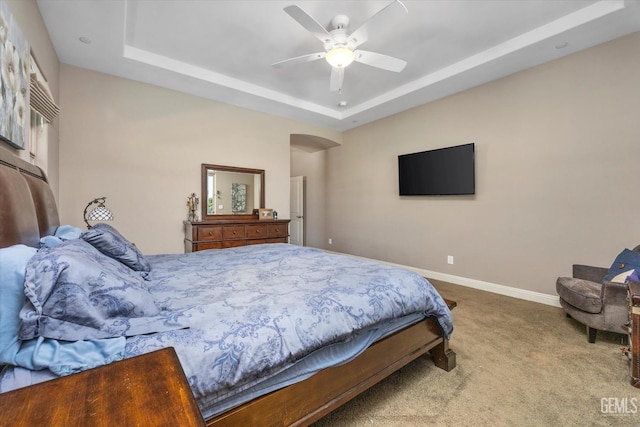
[265, 214]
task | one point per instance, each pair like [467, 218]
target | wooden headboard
[28, 209]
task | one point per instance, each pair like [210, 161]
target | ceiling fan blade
[299, 59]
[307, 21]
[385, 17]
[337, 77]
[379, 60]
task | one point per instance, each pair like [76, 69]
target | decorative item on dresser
[229, 233]
[266, 214]
[192, 202]
[634, 331]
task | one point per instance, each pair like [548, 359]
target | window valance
[41, 101]
[40, 98]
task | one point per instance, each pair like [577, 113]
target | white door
[296, 227]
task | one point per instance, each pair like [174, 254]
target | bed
[271, 365]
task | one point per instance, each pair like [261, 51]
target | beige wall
[28, 18]
[141, 146]
[557, 175]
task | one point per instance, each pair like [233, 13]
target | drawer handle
[235, 232]
[277, 230]
[258, 231]
[211, 233]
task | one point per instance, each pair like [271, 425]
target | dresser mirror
[230, 192]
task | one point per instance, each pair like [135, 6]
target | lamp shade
[101, 213]
[340, 57]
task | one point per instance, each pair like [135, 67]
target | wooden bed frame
[28, 211]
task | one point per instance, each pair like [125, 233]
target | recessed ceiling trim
[155, 60]
[120, 30]
[559, 26]
[519, 43]
[183, 68]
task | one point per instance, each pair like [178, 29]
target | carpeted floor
[519, 363]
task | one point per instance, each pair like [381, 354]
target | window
[43, 111]
[37, 136]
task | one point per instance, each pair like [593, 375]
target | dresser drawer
[233, 232]
[257, 231]
[208, 245]
[277, 240]
[278, 230]
[209, 233]
[233, 243]
[255, 241]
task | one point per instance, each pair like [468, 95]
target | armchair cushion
[582, 294]
[624, 265]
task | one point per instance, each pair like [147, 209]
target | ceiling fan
[341, 48]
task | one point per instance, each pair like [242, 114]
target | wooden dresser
[229, 233]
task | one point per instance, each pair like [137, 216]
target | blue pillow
[13, 262]
[74, 292]
[59, 357]
[625, 262]
[63, 232]
[110, 242]
[68, 232]
[49, 241]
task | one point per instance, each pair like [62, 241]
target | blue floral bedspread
[255, 310]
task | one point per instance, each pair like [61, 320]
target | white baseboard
[478, 284]
[491, 287]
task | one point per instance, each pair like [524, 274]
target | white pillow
[622, 277]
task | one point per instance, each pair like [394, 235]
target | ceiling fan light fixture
[340, 57]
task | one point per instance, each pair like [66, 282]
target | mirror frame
[204, 170]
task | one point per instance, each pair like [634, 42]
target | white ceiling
[223, 50]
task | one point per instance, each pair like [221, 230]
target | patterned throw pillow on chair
[626, 264]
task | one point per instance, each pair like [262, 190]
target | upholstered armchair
[593, 301]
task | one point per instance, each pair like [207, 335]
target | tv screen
[445, 171]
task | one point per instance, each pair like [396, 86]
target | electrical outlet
[449, 259]
[330, 241]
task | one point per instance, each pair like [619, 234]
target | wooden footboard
[307, 401]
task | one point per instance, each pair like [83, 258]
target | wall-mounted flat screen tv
[444, 171]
